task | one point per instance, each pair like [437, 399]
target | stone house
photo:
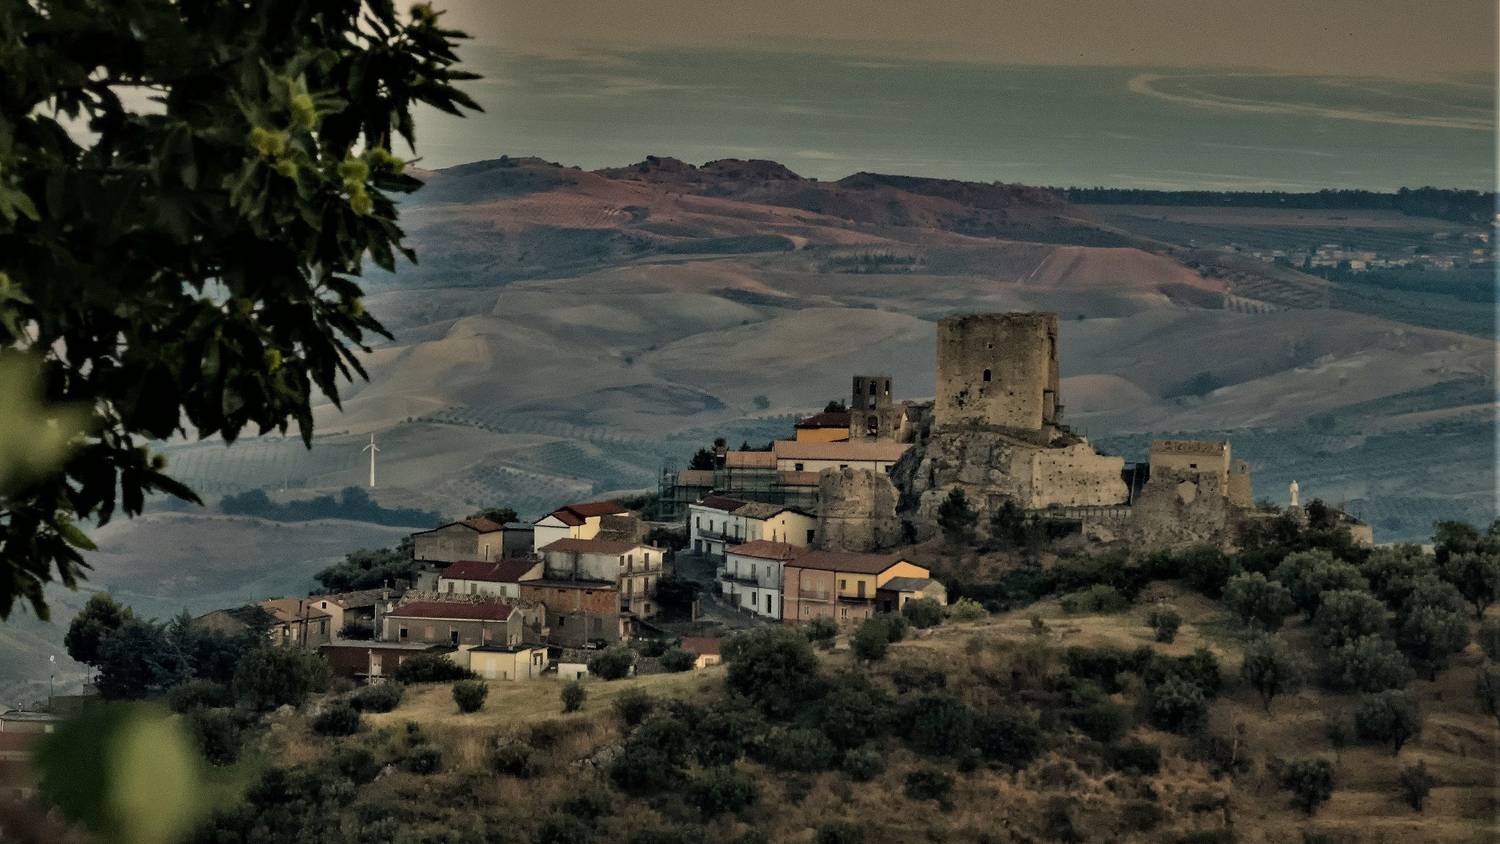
[375, 660]
[718, 522]
[476, 621]
[574, 521]
[466, 539]
[632, 567]
[578, 613]
[507, 662]
[895, 592]
[751, 576]
[840, 585]
[500, 579]
[286, 622]
[360, 607]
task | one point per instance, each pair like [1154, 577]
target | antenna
[373, 449]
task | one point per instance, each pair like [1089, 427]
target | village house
[361, 608]
[507, 662]
[826, 427]
[876, 455]
[718, 522]
[894, 593]
[578, 613]
[575, 521]
[632, 567]
[374, 661]
[750, 578]
[839, 585]
[705, 651]
[28, 721]
[500, 579]
[476, 621]
[471, 539]
[287, 622]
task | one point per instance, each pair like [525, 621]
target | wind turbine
[373, 449]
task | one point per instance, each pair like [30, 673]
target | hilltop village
[817, 526]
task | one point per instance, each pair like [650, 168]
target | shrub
[1271, 669]
[1206, 569]
[563, 829]
[573, 695]
[469, 695]
[430, 668]
[720, 790]
[1102, 665]
[216, 732]
[1489, 638]
[423, 759]
[514, 759]
[1310, 781]
[588, 804]
[1476, 576]
[339, 719]
[854, 711]
[613, 664]
[938, 725]
[919, 679]
[727, 731]
[1225, 756]
[800, 749]
[1008, 736]
[1100, 720]
[1257, 601]
[1391, 717]
[929, 784]
[1346, 614]
[677, 660]
[1367, 664]
[956, 518]
[357, 764]
[821, 631]
[872, 639]
[1134, 757]
[1431, 635]
[1308, 574]
[1097, 598]
[1177, 705]
[1201, 668]
[1487, 690]
[1058, 823]
[665, 835]
[923, 612]
[1164, 622]
[1415, 784]
[267, 677]
[863, 765]
[1390, 571]
[382, 698]
[1141, 815]
[775, 667]
[839, 832]
[633, 705]
[966, 610]
[199, 694]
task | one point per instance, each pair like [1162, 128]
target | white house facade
[750, 578]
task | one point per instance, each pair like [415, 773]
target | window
[768, 604]
[401, 633]
[861, 589]
[450, 586]
[843, 584]
[452, 636]
[810, 536]
[872, 388]
[986, 376]
[1192, 465]
[798, 467]
[699, 522]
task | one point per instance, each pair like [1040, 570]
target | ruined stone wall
[856, 511]
[1076, 476]
[1241, 493]
[1180, 508]
[1199, 456]
[997, 370]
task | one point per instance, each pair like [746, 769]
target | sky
[1396, 39]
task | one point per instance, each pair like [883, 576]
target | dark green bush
[338, 719]
[267, 677]
[929, 784]
[589, 804]
[821, 631]
[863, 764]
[199, 694]
[775, 667]
[633, 705]
[1101, 720]
[666, 835]
[1201, 668]
[1310, 781]
[721, 790]
[840, 832]
[1416, 784]
[1164, 623]
[1207, 569]
[382, 698]
[1346, 614]
[1134, 757]
[800, 749]
[469, 695]
[1390, 717]
[1058, 822]
[1141, 815]
[612, 664]
[1102, 665]
[677, 660]
[1177, 705]
[1097, 598]
[923, 612]
[854, 711]
[938, 725]
[727, 732]
[216, 732]
[1008, 736]
[357, 764]
[919, 679]
[1257, 601]
[423, 759]
[1272, 669]
[563, 829]
[514, 759]
[1366, 664]
[573, 695]
[430, 668]
[1489, 638]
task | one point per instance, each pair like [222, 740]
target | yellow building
[840, 585]
[507, 662]
[830, 426]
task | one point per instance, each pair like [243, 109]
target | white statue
[1295, 489]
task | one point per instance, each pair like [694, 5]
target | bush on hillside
[929, 784]
[356, 764]
[1103, 665]
[1008, 736]
[1177, 705]
[1258, 602]
[1134, 757]
[338, 719]
[1388, 717]
[863, 764]
[1430, 636]
[1308, 574]
[1206, 569]
[424, 759]
[938, 725]
[1310, 781]
[1164, 622]
[966, 610]
[590, 805]
[775, 667]
[1487, 690]
[216, 732]
[613, 664]
[430, 668]
[469, 695]
[1201, 668]
[514, 759]
[821, 631]
[1101, 720]
[1097, 599]
[721, 790]
[923, 612]
[1476, 575]
[563, 829]
[267, 677]
[1416, 784]
[573, 696]
[1489, 638]
[677, 660]
[800, 749]
[839, 832]
[1272, 669]
[854, 711]
[199, 694]
[1346, 614]
[633, 705]
[382, 698]
[1366, 664]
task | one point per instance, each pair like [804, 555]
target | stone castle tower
[998, 371]
[873, 414]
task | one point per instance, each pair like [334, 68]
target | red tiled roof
[700, 645]
[879, 450]
[765, 549]
[481, 524]
[576, 514]
[722, 503]
[849, 561]
[289, 610]
[502, 571]
[750, 460]
[826, 419]
[595, 546]
[467, 610]
[695, 477]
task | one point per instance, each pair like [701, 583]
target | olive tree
[189, 263]
[1271, 669]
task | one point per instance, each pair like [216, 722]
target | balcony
[811, 595]
[727, 575]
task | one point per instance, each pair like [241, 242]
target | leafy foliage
[1476, 575]
[101, 615]
[721, 790]
[1310, 781]
[1272, 669]
[469, 695]
[923, 612]
[573, 695]
[1308, 574]
[966, 610]
[633, 705]
[821, 631]
[1164, 623]
[929, 784]
[382, 698]
[956, 518]
[1257, 601]
[1178, 705]
[1431, 635]
[1367, 664]
[1347, 614]
[612, 664]
[270, 677]
[1416, 784]
[1391, 717]
[189, 264]
[338, 719]
[678, 660]
[775, 667]
[370, 569]
[430, 668]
